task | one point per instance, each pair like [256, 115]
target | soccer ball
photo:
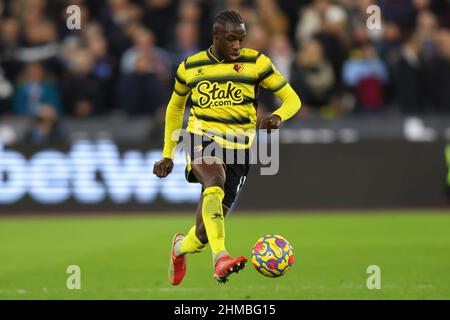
[272, 256]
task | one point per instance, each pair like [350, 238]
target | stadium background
[82, 118]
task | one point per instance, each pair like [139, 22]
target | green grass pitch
[126, 257]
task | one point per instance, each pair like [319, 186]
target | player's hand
[269, 123]
[163, 167]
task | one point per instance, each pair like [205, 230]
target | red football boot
[226, 266]
[177, 266]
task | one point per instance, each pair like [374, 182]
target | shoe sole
[235, 269]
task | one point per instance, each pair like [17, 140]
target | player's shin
[190, 243]
[213, 219]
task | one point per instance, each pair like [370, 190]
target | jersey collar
[212, 57]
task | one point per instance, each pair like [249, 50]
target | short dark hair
[228, 16]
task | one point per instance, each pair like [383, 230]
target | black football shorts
[236, 163]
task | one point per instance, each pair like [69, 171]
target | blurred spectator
[312, 76]
[388, 49]
[160, 17]
[39, 42]
[272, 17]
[186, 43]
[427, 27]
[139, 92]
[70, 46]
[392, 41]
[290, 10]
[45, 128]
[116, 17]
[144, 46]
[103, 63]
[104, 66]
[34, 91]
[282, 54]
[366, 74]
[257, 38]
[421, 5]
[438, 74]
[409, 77]
[320, 16]
[82, 90]
[401, 12]
[188, 11]
[326, 22]
[9, 42]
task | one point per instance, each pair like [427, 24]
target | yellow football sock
[190, 243]
[212, 214]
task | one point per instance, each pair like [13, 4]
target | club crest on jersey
[215, 95]
[238, 67]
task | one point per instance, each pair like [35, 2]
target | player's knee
[215, 180]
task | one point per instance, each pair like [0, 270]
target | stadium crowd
[123, 58]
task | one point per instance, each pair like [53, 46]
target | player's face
[230, 40]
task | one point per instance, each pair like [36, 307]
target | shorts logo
[198, 148]
[238, 67]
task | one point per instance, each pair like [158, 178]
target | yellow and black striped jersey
[224, 94]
